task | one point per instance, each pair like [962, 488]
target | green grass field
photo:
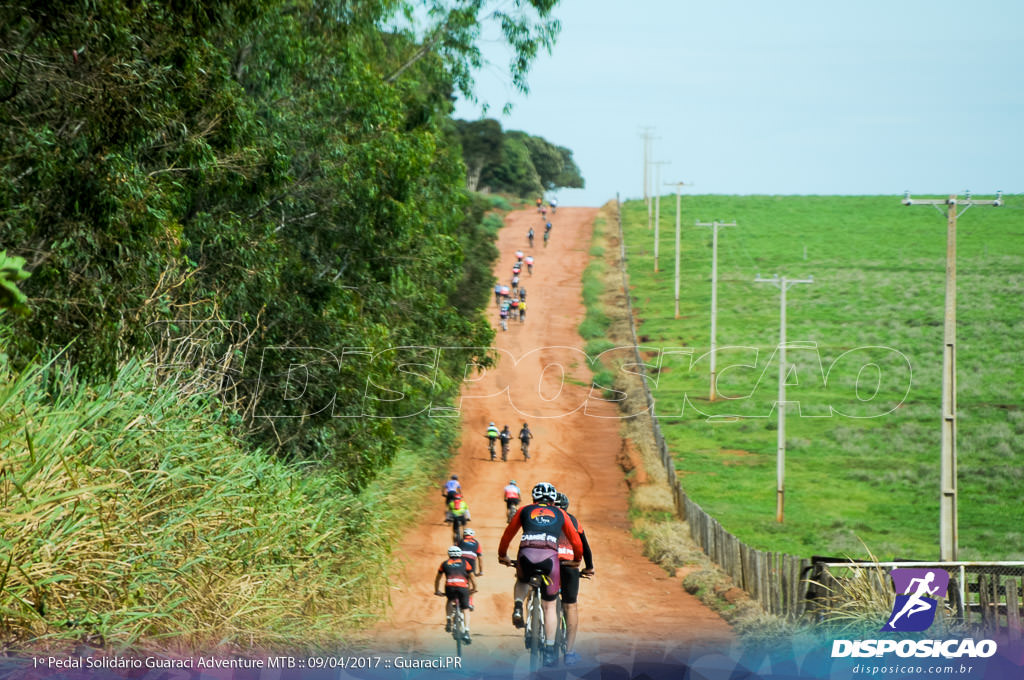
[865, 338]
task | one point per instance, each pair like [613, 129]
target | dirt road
[631, 606]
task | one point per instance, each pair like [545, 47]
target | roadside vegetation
[231, 236]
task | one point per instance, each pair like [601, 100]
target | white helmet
[468, 532]
[545, 492]
[455, 551]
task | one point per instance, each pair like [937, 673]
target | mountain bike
[504, 450]
[525, 448]
[457, 627]
[547, 237]
[533, 616]
[457, 525]
[490, 440]
[511, 511]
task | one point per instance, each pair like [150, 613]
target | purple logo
[917, 593]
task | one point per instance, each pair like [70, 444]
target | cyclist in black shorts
[458, 586]
[570, 578]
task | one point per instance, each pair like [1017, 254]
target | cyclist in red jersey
[542, 524]
[570, 577]
[511, 493]
[472, 552]
[458, 586]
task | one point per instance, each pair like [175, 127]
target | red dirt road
[631, 606]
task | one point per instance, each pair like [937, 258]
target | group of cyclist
[511, 299]
[552, 546]
[504, 436]
[464, 563]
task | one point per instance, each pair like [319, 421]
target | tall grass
[129, 517]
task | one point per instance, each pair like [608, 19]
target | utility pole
[948, 532]
[645, 134]
[657, 209]
[780, 465]
[714, 294]
[679, 186]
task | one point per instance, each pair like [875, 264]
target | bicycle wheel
[536, 628]
[457, 630]
[561, 639]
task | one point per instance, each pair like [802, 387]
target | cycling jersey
[458, 508]
[492, 432]
[471, 550]
[452, 485]
[506, 436]
[529, 259]
[455, 572]
[565, 548]
[519, 254]
[542, 526]
[525, 434]
[511, 492]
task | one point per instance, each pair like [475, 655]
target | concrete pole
[714, 299]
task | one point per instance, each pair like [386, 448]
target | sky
[779, 97]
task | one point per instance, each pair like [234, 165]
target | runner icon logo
[917, 593]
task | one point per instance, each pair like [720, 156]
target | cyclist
[542, 524]
[547, 237]
[458, 586]
[570, 578]
[547, 226]
[452, 488]
[492, 436]
[459, 510]
[503, 322]
[522, 311]
[505, 436]
[515, 281]
[522, 293]
[524, 439]
[529, 235]
[529, 264]
[554, 205]
[497, 293]
[519, 256]
[540, 203]
[472, 553]
[511, 492]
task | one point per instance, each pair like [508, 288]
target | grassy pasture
[865, 351]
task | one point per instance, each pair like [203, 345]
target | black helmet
[562, 501]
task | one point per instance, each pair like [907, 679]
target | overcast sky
[779, 96]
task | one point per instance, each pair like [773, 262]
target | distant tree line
[201, 181]
[514, 162]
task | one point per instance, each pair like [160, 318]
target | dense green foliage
[266, 195]
[514, 162]
[864, 378]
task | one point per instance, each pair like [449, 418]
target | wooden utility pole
[780, 463]
[948, 531]
[714, 295]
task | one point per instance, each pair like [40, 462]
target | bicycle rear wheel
[457, 630]
[536, 631]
